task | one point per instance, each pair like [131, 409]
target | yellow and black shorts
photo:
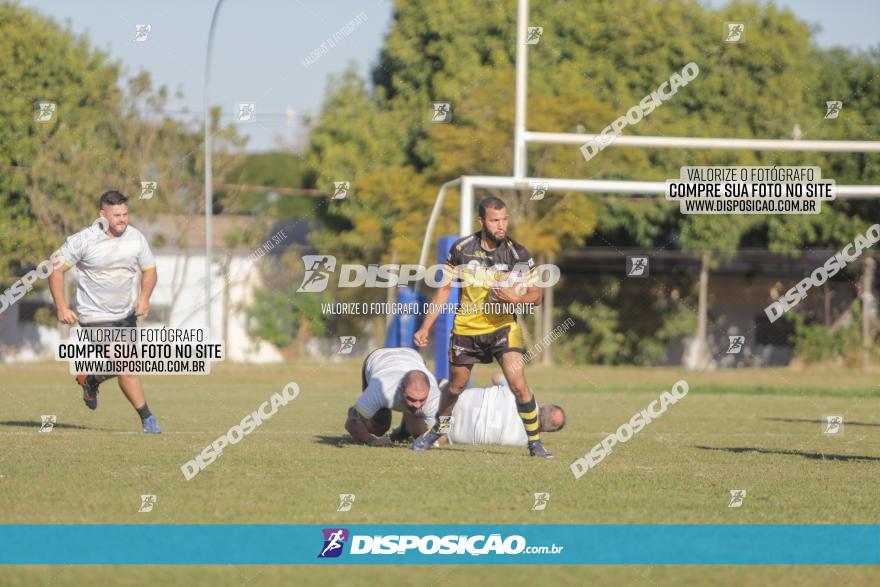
[467, 349]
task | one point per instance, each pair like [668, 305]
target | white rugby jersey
[108, 268]
[487, 415]
[384, 371]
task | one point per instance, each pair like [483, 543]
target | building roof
[175, 232]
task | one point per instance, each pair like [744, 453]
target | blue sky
[259, 47]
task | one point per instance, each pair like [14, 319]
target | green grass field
[758, 430]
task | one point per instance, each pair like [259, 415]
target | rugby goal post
[522, 138]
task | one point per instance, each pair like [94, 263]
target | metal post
[868, 310]
[209, 185]
[547, 310]
[432, 222]
[466, 215]
[522, 78]
[664, 142]
[702, 352]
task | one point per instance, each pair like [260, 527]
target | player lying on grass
[393, 379]
[108, 265]
[488, 415]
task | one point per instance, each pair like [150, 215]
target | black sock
[90, 380]
[144, 412]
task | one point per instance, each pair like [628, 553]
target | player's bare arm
[356, 425]
[441, 296]
[148, 282]
[56, 287]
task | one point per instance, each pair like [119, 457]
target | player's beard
[492, 238]
[117, 232]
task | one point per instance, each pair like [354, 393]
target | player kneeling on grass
[393, 379]
[108, 265]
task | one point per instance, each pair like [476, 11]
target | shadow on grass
[337, 441]
[343, 441]
[798, 453]
[32, 424]
[806, 421]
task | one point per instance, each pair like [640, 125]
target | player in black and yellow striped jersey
[484, 265]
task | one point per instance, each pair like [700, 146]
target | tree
[43, 191]
[98, 138]
[589, 68]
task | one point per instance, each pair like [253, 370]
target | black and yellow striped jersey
[468, 261]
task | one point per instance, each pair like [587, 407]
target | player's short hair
[112, 198]
[491, 202]
[546, 419]
[411, 376]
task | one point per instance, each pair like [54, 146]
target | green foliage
[42, 180]
[816, 343]
[677, 324]
[101, 138]
[624, 327]
[278, 316]
[270, 318]
[269, 169]
[601, 342]
[589, 68]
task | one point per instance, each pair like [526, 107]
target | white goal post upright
[522, 138]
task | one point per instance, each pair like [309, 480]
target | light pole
[209, 183]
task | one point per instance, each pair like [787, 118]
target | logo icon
[318, 270]
[147, 503]
[737, 496]
[832, 425]
[444, 423]
[340, 189]
[637, 266]
[247, 112]
[346, 344]
[539, 188]
[442, 112]
[334, 540]
[534, 36]
[735, 32]
[832, 109]
[346, 500]
[142, 32]
[541, 501]
[148, 189]
[45, 112]
[47, 423]
[735, 345]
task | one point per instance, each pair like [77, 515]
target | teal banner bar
[606, 544]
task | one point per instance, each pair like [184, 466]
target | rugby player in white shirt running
[108, 265]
